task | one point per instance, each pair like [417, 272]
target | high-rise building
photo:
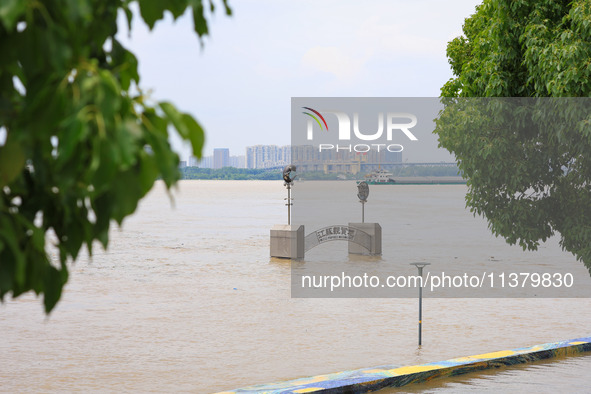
[221, 157]
[193, 161]
[208, 162]
[205, 162]
[237, 161]
[309, 158]
[392, 157]
[284, 155]
[267, 156]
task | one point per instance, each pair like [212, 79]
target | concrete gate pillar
[287, 241]
[374, 230]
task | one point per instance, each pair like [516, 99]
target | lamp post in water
[288, 181]
[363, 193]
[420, 267]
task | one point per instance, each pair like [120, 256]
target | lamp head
[287, 177]
[421, 264]
[363, 191]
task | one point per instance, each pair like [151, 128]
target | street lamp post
[363, 193]
[420, 267]
[288, 179]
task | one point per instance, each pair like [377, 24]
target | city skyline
[239, 84]
[272, 156]
[192, 161]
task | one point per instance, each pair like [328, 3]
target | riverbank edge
[370, 379]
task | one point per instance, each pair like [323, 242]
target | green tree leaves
[522, 48]
[12, 161]
[83, 143]
[10, 11]
[526, 161]
[187, 127]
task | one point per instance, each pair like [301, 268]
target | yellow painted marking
[374, 371]
[314, 379]
[486, 356]
[461, 359]
[420, 321]
[502, 353]
[414, 369]
[533, 349]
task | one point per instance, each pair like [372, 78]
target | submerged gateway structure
[290, 242]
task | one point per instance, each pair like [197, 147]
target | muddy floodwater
[187, 299]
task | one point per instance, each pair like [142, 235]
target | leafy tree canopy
[82, 142]
[527, 162]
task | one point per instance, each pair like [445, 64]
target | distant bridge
[434, 164]
[440, 164]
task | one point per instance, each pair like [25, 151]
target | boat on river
[379, 177]
[382, 177]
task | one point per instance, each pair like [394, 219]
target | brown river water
[187, 299]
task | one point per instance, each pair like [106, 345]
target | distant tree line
[409, 171]
[232, 173]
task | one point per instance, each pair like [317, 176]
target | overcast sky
[239, 85]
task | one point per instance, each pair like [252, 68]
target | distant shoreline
[399, 181]
[424, 175]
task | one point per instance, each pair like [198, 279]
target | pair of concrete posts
[289, 241]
